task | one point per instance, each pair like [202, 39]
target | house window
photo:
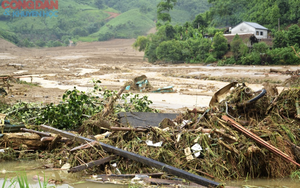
[257, 32]
[261, 33]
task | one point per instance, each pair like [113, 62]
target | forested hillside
[90, 20]
[264, 12]
[187, 42]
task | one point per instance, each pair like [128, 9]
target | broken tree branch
[36, 132]
[109, 106]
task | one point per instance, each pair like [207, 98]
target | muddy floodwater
[33, 170]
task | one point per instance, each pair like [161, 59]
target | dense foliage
[267, 13]
[187, 43]
[75, 107]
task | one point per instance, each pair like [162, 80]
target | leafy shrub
[56, 44]
[261, 47]
[9, 36]
[40, 43]
[210, 59]
[220, 45]
[229, 61]
[106, 36]
[77, 105]
[251, 59]
[170, 51]
[283, 56]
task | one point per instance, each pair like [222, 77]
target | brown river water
[33, 170]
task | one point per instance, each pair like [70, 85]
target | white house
[259, 31]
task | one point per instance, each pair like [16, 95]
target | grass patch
[86, 39]
[127, 25]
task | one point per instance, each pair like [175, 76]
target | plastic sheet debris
[197, 150]
[167, 89]
[150, 143]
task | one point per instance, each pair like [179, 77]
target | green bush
[284, 56]
[251, 59]
[56, 44]
[210, 59]
[229, 61]
[40, 43]
[106, 36]
[261, 47]
[170, 51]
[12, 37]
[220, 45]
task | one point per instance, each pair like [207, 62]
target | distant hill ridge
[93, 20]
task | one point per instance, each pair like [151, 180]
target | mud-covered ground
[115, 62]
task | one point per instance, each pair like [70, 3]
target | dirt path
[112, 15]
[115, 62]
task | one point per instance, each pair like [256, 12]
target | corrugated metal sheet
[256, 25]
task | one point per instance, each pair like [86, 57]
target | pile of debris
[142, 84]
[244, 133]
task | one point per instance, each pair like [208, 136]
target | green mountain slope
[127, 25]
[88, 21]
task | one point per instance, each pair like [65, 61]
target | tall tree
[200, 23]
[281, 40]
[293, 35]
[220, 45]
[238, 47]
[163, 9]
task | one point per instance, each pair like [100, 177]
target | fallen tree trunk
[15, 140]
[138, 158]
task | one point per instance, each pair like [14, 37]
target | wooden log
[13, 128]
[127, 129]
[138, 158]
[92, 164]
[14, 140]
[37, 132]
